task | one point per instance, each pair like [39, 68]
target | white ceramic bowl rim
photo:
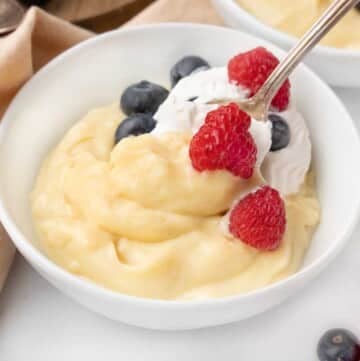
[288, 39]
[28, 249]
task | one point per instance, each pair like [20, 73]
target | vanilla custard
[138, 219]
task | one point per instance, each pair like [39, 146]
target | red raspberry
[224, 142]
[252, 68]
[259, 219]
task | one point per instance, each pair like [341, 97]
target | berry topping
[280, 132]
[143, 97]
[338, 345]
[135, 124]
[224, 142]
[186, 66]
[259, 219]
[252, 68]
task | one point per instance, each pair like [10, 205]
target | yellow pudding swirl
[138, 219]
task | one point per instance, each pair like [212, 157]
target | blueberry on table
[338, 345]
[135, 124]
[186, 66]
[280, 132]
[142, 97]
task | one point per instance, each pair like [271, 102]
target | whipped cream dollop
[286, 168]
[186, 107]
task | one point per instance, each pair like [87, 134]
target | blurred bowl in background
[338, 67]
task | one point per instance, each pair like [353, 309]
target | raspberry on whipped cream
[251, 69]
[224, 142]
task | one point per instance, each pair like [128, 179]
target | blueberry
[135, 124]
[338, 345]
[280, 132]
[143, 97]
[186, 66]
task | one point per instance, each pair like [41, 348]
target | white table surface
[38, 323]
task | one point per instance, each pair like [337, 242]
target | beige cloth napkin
[40, 37]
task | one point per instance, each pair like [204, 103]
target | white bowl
[94, 73]
[338, 67]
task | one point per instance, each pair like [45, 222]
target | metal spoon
[258, 105]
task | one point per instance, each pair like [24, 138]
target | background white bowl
[94, 73]
[338, 67]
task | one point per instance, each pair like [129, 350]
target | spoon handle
[328, 19]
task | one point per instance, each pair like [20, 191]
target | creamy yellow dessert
[296, 16]
[137, 218]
